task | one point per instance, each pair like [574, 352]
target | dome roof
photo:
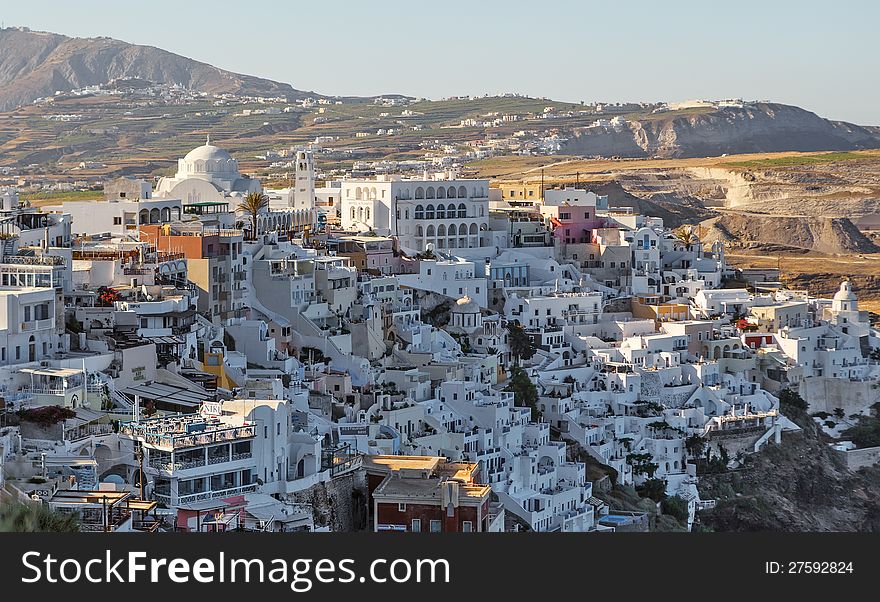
[208, 152]
[845, 293]
[466, 305]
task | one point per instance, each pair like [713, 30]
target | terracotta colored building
[426, 494]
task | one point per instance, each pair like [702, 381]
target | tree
[676, 507]
[790, 398]
[694, 445]
[642, 464]
[653, 488]
[107, 296]
[839, 413]
[521, 345]
[253, 204]
[35, 518]
[525, 393]
[866, 432]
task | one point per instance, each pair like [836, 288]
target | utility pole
[139, 455]
[542, 185]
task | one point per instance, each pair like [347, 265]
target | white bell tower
[303, 196]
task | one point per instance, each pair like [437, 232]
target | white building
[443, 213]
[206, 174]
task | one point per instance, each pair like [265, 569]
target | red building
[427, 494]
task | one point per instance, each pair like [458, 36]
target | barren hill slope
[755, 128]
[828, 235]
[37, 64]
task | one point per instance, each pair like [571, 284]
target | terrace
[186, 431]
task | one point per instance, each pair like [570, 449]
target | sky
[821, 56]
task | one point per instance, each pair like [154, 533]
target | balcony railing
[207, 495]
[37, 325]
[152, 436]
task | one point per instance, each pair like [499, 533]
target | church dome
[208, 152]
[466, 305]
[209, 159]
[845, 293]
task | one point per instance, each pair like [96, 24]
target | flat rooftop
[395, 463]
[429, 489]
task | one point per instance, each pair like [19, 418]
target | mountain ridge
[753, 128]
[37, 64]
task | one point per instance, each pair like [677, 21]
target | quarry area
[815, 217]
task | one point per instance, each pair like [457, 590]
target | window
[117, 221]
[467, 526]
[435, 526]
[416, 525]
[401, 507]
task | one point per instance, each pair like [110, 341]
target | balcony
[34, 325]
[205, 495]
[170, 433]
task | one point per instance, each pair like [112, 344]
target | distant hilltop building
[206, 174]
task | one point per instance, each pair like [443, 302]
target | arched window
[441, 230]
[144, 216]
[360, 214]
[430, 232]
[166, 214]
[429, 212]
[367, 214]
[420, 212]
[473, 230]
[154, 216]
[462, 210]
[441, 211]
[429, 193]
[462, 192]
[420, 193]
[352, 213]
[419, 231]
[450, 194]
[358, 193]
[441, 193]
[373, 193]
[452, 230]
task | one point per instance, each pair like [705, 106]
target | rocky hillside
[754, 128]
[37, 64]
[828, 235]
[798, 486]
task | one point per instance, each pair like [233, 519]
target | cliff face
[761, 127]
[37, 64]
[829, 235]
[798, 486]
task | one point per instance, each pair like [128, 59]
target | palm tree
[253, 204]
[687, 235]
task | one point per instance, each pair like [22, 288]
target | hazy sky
[822, 56]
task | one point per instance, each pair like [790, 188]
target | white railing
[210, 495]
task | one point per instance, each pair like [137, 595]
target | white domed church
[207, 174]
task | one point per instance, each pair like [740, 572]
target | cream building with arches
[445, 213]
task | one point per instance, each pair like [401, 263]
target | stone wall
[826, 394]
[860, 458]
[340, 503]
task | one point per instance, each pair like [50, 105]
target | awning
[169, 394]
[56, 372]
